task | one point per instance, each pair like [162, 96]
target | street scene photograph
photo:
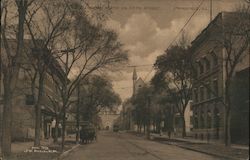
[124, 79]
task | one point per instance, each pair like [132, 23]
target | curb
[211, 154]
[208, 153]
[64, 154]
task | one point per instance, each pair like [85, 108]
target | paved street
[122, 146]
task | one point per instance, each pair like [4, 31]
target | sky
[147, 27]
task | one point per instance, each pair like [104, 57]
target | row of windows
[207, 121]
[206, 92]
[207, 63]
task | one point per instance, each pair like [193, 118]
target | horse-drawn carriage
[87, 133]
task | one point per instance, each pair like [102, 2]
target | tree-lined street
[124, 146]
[124, 80]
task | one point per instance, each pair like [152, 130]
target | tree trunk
[183, 126]
[63, 128]
[56, 129]
[227, 130]
[10, 78]
[148, 129]
[77, 126]
[144, 128]
[7, 116]
[78, 115]
[38, 110]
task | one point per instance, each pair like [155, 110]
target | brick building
[208, 86]
[23, 111]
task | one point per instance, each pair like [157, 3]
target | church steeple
[134, 75]
[134, 80]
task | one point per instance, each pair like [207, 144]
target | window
[201, 68]
[202, 119]
[201, 93]
[195, 120]
[215, 59]
[196, 95]
[209, 119]
[30, 100]
[208, 91]
[207, 63]
[215, 87]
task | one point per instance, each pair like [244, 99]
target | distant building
[208, 87]
[137, 83]
[108, 118]
[127, 107]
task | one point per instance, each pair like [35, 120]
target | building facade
[108, 118]
[209, 84]
[127, 112]
[24, 97]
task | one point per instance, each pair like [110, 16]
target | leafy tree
[142, 107]
[174, 68]
[96, 93]
[79, 44]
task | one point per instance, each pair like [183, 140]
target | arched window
[208, 90]
[215, 59]
[201, 93]
[207, 64]
[201, 67]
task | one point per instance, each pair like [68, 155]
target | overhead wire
[175, 38]
[182, 29]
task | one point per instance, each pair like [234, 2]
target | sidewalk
[19, 148]
[235, 152]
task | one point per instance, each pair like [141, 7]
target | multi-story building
[24, 97]
[209, 84]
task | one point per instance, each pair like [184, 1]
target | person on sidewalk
[170, 130]
[169, 134]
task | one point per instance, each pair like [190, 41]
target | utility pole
[148, 120]
[78, 114]
[211, 10]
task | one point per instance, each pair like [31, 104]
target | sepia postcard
[124, 79]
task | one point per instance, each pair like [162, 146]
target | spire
[134, 74]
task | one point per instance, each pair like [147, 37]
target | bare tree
[10, 61]
[86, 47]
[105, 52]
[53, 16]
[52, 26]
[235, 40]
